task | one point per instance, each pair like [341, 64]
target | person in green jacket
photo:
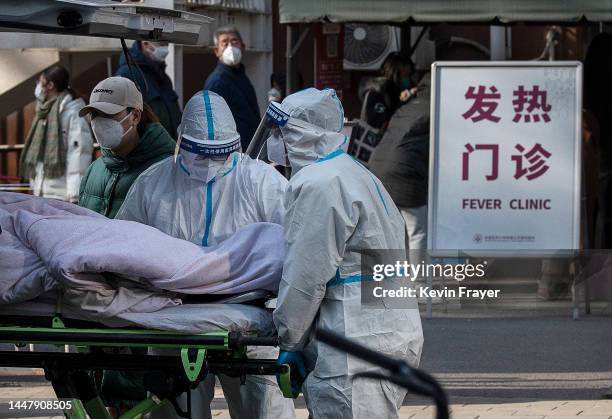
[131, 139]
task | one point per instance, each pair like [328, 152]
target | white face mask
[231, 55]
[277, 152]
[201, 168]
[160, 53]
[274, 95]
[38, 91]
[108, 132]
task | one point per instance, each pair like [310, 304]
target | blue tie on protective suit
[207, 192]
[335, 208]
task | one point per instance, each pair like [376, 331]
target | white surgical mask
[160, 53]
[231, 55]
[108, 132]
[274, 95]
[277, 151]
[200, 167]
[38, 91]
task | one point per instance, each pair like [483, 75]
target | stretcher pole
[96, 409]
[76, 411]
[142, 408]
[77, 387]
[85, 391]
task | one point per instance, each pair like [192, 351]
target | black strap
[131, 64]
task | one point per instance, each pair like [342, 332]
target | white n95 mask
[38, 92]
[201, 168]
[160, 53]
[108, 132]
[231, 55]
[277, 152]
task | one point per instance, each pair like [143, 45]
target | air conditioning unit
[367, 46]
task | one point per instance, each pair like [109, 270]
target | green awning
[451, 11]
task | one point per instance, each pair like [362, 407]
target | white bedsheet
[47, 244]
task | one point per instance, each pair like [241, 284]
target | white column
[174, 62]
[497, 43]
[174, 69]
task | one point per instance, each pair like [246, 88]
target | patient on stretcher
[107, 267]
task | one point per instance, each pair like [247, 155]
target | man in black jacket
[153, 82]
[401, 162]
[229, 80]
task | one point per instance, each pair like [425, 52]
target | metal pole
[429, 306]
[289, 60]
[574, 266]
[294, 42]
[497, 43]
[575, 303]
[586, 245]
[405, 39]
[109, 67]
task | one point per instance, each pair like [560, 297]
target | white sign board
[505, 157]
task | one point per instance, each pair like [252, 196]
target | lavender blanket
[109, 267]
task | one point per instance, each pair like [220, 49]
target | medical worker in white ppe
[335, 209]
[204, 194]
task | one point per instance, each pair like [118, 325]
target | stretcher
[205, 338]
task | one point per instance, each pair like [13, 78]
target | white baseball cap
[112, 95]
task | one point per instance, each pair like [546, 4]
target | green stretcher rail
[165, 376]
[131, 338]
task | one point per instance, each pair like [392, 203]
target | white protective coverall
[336, 208]
[186, 202]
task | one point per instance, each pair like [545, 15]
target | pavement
[461, 408]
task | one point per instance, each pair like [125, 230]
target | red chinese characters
[529, 105]
[494, 148]
[531, 164]
[484, 104]
[537, 105]
[537, 157]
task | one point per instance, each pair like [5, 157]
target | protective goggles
[208, 150]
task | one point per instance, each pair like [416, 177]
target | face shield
[276, 149]
[267, 143]
[281, 138]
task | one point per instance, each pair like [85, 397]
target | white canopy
[431, 11]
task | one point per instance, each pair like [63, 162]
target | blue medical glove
[295, 360]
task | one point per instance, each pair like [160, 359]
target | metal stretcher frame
[211, 352]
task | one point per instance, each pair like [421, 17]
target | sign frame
[433, 246]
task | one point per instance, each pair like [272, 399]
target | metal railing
[11, 147]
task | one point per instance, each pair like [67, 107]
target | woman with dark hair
[59, 146]
[384, 94]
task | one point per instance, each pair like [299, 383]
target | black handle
[402, 374]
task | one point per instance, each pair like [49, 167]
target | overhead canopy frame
[446, 11]
[104, 18]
